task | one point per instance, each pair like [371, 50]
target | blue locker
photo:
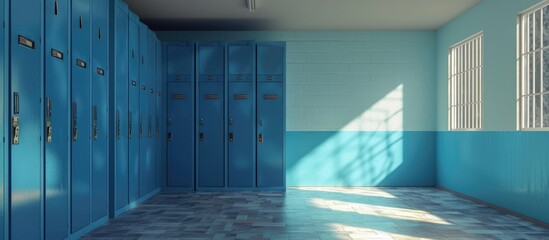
[210, 122]
[57, 118]
[144, 157]
[270, 114]
[81, 115]
[121, 50]
[180, 114]
[133, 108]
[26, 119]
[241, 115]
[151, 71]
[3, 98]
[160, 117]
[100, 111]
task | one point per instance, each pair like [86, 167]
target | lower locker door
[210, 135]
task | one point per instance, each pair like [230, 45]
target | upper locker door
[134, 62]
[121, 104]
[81, 114]
[151, 71]
[57, 118]
[144, 153]
[210, 99]
[241, 110]
[26, 119]
[270, 114]
[100, 101]
[180, 114]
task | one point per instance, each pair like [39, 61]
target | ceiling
[299, 14]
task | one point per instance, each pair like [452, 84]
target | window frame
[523, 51]
[473, 62]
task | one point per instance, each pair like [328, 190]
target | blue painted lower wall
[507, 169]
[361, 158]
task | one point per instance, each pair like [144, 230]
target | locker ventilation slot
[211, 96]
[270, 96]
[23, 41]
[56, 54]
[241, 96]
[179, 96]
[80, 63]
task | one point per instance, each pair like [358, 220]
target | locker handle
[169, 136]
[150, 127]
[81, 22]
[201, 136]
[261, 138]
[15, 125]
[74, 121]
[140, 128]
[231, 136]
[16, 103]
[49, 131]
[130, 127]
[118, 131]
[56, 8]
[94, 120]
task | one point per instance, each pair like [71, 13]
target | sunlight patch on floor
[362, 191]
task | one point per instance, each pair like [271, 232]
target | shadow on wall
[371, 150]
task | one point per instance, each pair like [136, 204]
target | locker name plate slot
[179, 96]
[211, 96]
[23, 41]
[241, 96]
[81, 63]
[56, 54]
[270, 96]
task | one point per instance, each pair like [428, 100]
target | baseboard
[78, 234]
[228, 189]
[135, 203]
[501, 209]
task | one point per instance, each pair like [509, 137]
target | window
[533, 66]
[465, 84]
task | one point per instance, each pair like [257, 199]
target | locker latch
[74, 122]
[118, 131]
[231, 137]
[95, 128]
[130, 127]
[230, 121]
[261, 138]
[201, 136]
[15, 124]
[169, 136]
[150, 127]
[49, 131]
[140, 128]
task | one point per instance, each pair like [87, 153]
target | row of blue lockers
[60, 120]
[225, 115]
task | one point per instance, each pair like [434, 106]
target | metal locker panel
[4, 97]
[57, 117]
[180, 159]
[241, 61]
[121, 53]
[100, 102]
[241, 142]
[144, 152]
[180, 61]
[210, 137]
[81, 115]
[271, 60]
[133, 108]
[160, 117]
[151, 176]
[26, 119]
[211, 60]
[270, 131]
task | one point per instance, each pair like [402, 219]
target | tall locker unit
[57, 118]
[151, 117]
[210, 118]
[180, 115]
[121, 26]
[26, 115]
[160, 113]
[134, 129]
[3, 123]
[271, 61]
[241, 114]
[100, 112]
[81, 114]
[144, 156]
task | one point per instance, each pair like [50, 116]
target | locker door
[180, 165]
[133, 109]
[160, 153]
[270, 130]
[57, 118]
[144, 157]
[26, 119]
[180, 58]
[100, 90]
[210, 135]
[241, 159]
[151, 176]
[121, 104]
[4, 96]
[271, 61]
[81, 114]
